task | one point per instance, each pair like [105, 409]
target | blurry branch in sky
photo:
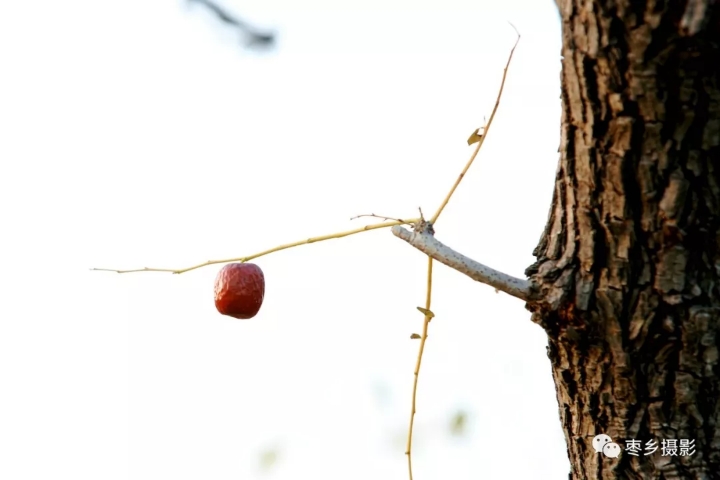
[255, 38]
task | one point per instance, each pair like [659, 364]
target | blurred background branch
[254, 38]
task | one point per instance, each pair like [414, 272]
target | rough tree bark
[627, 278]
[628, 268]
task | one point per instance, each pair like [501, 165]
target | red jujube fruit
[239, 290]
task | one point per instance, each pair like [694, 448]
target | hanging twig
[424, 230]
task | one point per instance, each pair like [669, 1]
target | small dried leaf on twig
[476, 136]
[426, 312]
[415, 336]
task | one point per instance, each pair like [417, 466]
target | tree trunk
[628, 267]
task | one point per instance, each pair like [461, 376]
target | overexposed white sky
[142, 134]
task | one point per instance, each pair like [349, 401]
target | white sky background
[142, 134]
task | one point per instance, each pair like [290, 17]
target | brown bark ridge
[628, 267]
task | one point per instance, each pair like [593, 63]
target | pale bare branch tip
[514, 28]
[429, 245]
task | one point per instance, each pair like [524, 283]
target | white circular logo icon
[600, 441]
[611, 450]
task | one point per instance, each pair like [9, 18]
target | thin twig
[426, 322]
[427, 229]
[266, 252]
[483, 137]
[430, 246]
[381, 217]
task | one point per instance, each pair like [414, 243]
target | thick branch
[427, 244]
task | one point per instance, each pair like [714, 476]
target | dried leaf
[476, 136]
[426, 312]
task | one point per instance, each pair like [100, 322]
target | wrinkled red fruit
[239, 290]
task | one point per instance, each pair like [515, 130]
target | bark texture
[629, 263]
